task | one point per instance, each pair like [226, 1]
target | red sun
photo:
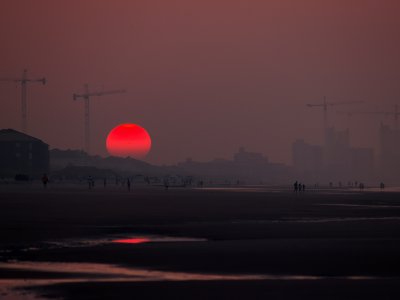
[128, 140]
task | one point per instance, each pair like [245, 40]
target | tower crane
[395, 114]
[86, 97]
[325, 104]
[24, 80]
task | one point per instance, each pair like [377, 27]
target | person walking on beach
[166, 184]
[45, 180]
[304, 187]
[128, 184]
[382, 186]
[296, 186]
[90, 182]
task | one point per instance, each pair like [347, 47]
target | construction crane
[86, 96]
[24, 80]
[324, 105]
[395, 113]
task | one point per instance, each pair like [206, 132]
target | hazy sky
[203, 77]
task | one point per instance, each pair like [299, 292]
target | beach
[70, 242]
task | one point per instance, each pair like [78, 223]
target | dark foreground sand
[338, 244]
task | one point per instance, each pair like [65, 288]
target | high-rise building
[306, 157]
[390, 152]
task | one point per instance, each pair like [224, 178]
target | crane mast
[24, 80]
[86, 97]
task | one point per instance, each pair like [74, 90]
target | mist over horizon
[203, 77]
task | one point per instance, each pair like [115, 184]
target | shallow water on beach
[317, 220]
[113, 239]
[373, 206]
[96, 272]
[310, 189]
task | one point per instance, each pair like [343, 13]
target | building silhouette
[245, 167]
[337, 148]
[249, 158]
[389, 152]
[22, 154]
[336, 160]
[307, 160]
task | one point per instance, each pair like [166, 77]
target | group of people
[90, 182]
[119, 181]
[299, 187]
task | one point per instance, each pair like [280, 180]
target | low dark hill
[66, 163]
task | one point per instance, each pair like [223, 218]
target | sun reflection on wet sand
[156, 239]
[132, 241]
[95, 272]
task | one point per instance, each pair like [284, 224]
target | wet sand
[328, 244]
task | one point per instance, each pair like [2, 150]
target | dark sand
[349, 241]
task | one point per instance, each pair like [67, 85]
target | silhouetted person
[45, 180]
[128, 184]
[90, 182]
[382, 186]
[166, 184]
[304, 187]
[296, 186]
[300, 187]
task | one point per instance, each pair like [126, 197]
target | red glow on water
[132, 241]
[128, 140]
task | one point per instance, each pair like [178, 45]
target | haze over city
[209, 149]
[203, 77]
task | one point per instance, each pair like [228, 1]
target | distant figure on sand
[45, 180]
[382, 186]
[304, 187]
[166, 184]
[296, 186]
[128, 183]
[90, 182]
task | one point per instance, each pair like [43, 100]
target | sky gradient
[203, 77]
